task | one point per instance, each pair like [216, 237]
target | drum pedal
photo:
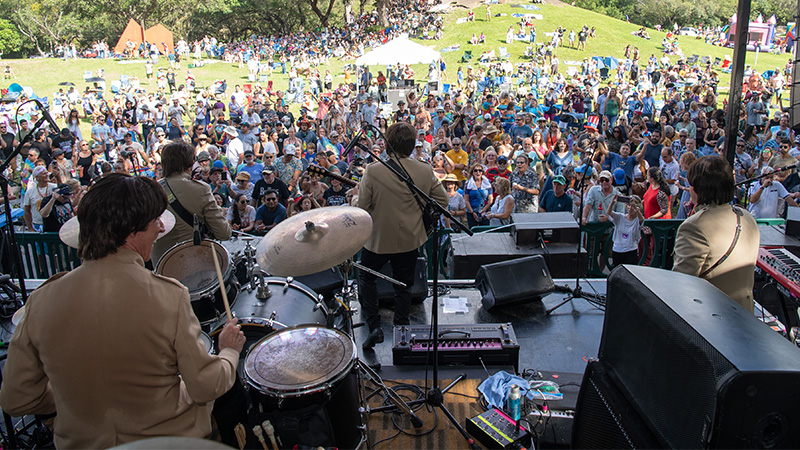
[358, 325]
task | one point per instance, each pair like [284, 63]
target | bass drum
[305, 376]
[290, 303]
[193, 266]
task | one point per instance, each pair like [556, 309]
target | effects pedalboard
[495, 429]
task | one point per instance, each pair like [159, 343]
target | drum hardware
[262, 291]
[193, 266]
[398, 401]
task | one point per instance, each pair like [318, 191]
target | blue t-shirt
[551, 203]
[268, 217]
[557, 163]
[254, 170]
[615, 161]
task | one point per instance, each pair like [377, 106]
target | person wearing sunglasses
[242, 215]
[599, 198]
[270, 214]
[478, 195]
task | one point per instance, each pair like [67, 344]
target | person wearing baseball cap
[250, 165]
[556, 199]
[269, 180]
[599, 198]
[56, 208]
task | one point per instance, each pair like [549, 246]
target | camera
[126, 153]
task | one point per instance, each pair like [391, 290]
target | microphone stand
[4, 183]
[750, 181]
[577, 292]
[435, 396]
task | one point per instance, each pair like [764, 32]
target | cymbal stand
[364, 371]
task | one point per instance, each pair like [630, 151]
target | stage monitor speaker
[513, 281]
[604, 418]
[701, 370]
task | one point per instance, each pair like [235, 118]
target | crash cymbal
[18, 316]
[314, 241]
[71, 230]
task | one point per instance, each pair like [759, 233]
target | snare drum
[207, 343]
[290, 304]
[298, 367]
[193, 266]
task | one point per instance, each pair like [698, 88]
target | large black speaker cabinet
[700, 370]
[513, 281]
[604, 418]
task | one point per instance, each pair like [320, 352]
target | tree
[46, 23]
[10, 40]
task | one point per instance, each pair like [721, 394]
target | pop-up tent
[399, 51]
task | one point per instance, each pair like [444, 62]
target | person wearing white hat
[33, 198]
[235, 150]
[289, 167]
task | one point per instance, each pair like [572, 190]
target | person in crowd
[56, 209]
[524, 185]
[720, 241]
[398, 230]
[657, 198]
[154, 373]
[241, 215]
[627, 230]
[478, 196]
[766, 193]
[187, 198]
[270, 214]
[599, 199]
[289, 167]
[556, 199]
[42, 188]
[503, 206]
[456, 204]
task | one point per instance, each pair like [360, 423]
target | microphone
[353, 143]
[47, 116]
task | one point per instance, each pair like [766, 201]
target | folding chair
[503, 53]
[467, 57]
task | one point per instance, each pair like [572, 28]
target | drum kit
[300, 350]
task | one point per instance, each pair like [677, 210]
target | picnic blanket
[529, 16]
[451, 48]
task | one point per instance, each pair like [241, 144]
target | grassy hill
[44, 75]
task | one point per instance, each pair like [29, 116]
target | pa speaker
[513, 281]
[604, 418]
[701, 370]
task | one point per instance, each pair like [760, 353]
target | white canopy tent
[399, 51]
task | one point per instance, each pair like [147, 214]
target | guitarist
[398, 229]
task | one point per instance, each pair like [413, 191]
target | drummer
[187, 198]
[111, 347]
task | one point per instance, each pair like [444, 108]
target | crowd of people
[561, 138]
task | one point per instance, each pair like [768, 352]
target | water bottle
[513, 403]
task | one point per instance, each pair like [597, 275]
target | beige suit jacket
[397, 225]
[115, 350]
[705, 237]
[196, 197]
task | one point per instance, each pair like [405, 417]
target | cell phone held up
[623, 199]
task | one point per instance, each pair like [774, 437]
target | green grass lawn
[43, 75]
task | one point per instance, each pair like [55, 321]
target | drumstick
[221, 284]
[260, 435]
[241, 435]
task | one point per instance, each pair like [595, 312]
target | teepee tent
[133, 32]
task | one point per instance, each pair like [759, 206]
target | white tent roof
[399, 51]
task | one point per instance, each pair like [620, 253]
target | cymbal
[71, 230]
[314, 241]
[18, 316]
